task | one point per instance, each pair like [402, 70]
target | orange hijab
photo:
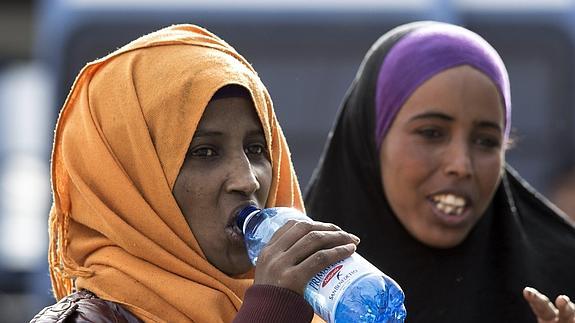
[121, 138]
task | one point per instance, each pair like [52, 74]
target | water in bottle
[350, 290]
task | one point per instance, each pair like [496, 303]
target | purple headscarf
[426, 52]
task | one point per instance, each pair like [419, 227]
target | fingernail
[354, 237]
[530, 290]
[353, 247]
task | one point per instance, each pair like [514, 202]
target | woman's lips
[235, 236]
[234, 233]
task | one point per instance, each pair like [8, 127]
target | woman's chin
[444, 240]
[240, 266]
[249, 274]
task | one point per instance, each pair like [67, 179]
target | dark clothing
[520, 241]
[262, 303]
[83, 306]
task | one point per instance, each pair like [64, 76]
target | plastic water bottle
[350, 290]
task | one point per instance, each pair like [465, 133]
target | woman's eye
[203, 152]
[488, 142]
[430, 133]
[255, 149]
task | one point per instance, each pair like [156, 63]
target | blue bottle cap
[243, 214]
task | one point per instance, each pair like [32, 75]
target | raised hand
[562, 311]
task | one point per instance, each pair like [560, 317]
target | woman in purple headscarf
[415, 166]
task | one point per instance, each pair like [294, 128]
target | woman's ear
[511, 141]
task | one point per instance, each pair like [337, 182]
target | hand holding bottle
[299, 250]
[290, 250]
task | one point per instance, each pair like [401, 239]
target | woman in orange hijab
[157, 148]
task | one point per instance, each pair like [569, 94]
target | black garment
[520, 241]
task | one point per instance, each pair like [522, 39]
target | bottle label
[325, 289]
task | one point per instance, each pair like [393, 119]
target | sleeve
[267, 303]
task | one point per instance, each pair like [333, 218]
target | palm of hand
[562, 311]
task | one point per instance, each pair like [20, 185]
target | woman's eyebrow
[488, 124]
[432, 115]
[214, 133]
[256, 132]
[442, 116]
[207, 133]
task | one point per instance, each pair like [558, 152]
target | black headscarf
[520, 241]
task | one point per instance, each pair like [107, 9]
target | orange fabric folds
[121, 138]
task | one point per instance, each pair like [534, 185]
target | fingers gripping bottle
[351, 290]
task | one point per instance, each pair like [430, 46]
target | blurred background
[306, 52]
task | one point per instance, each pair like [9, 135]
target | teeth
[449, 203]
[449, 209]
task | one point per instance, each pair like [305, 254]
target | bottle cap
[243, 214]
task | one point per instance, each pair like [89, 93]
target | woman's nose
[458, 161]
[242, 176]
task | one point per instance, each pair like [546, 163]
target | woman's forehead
[458, 92]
